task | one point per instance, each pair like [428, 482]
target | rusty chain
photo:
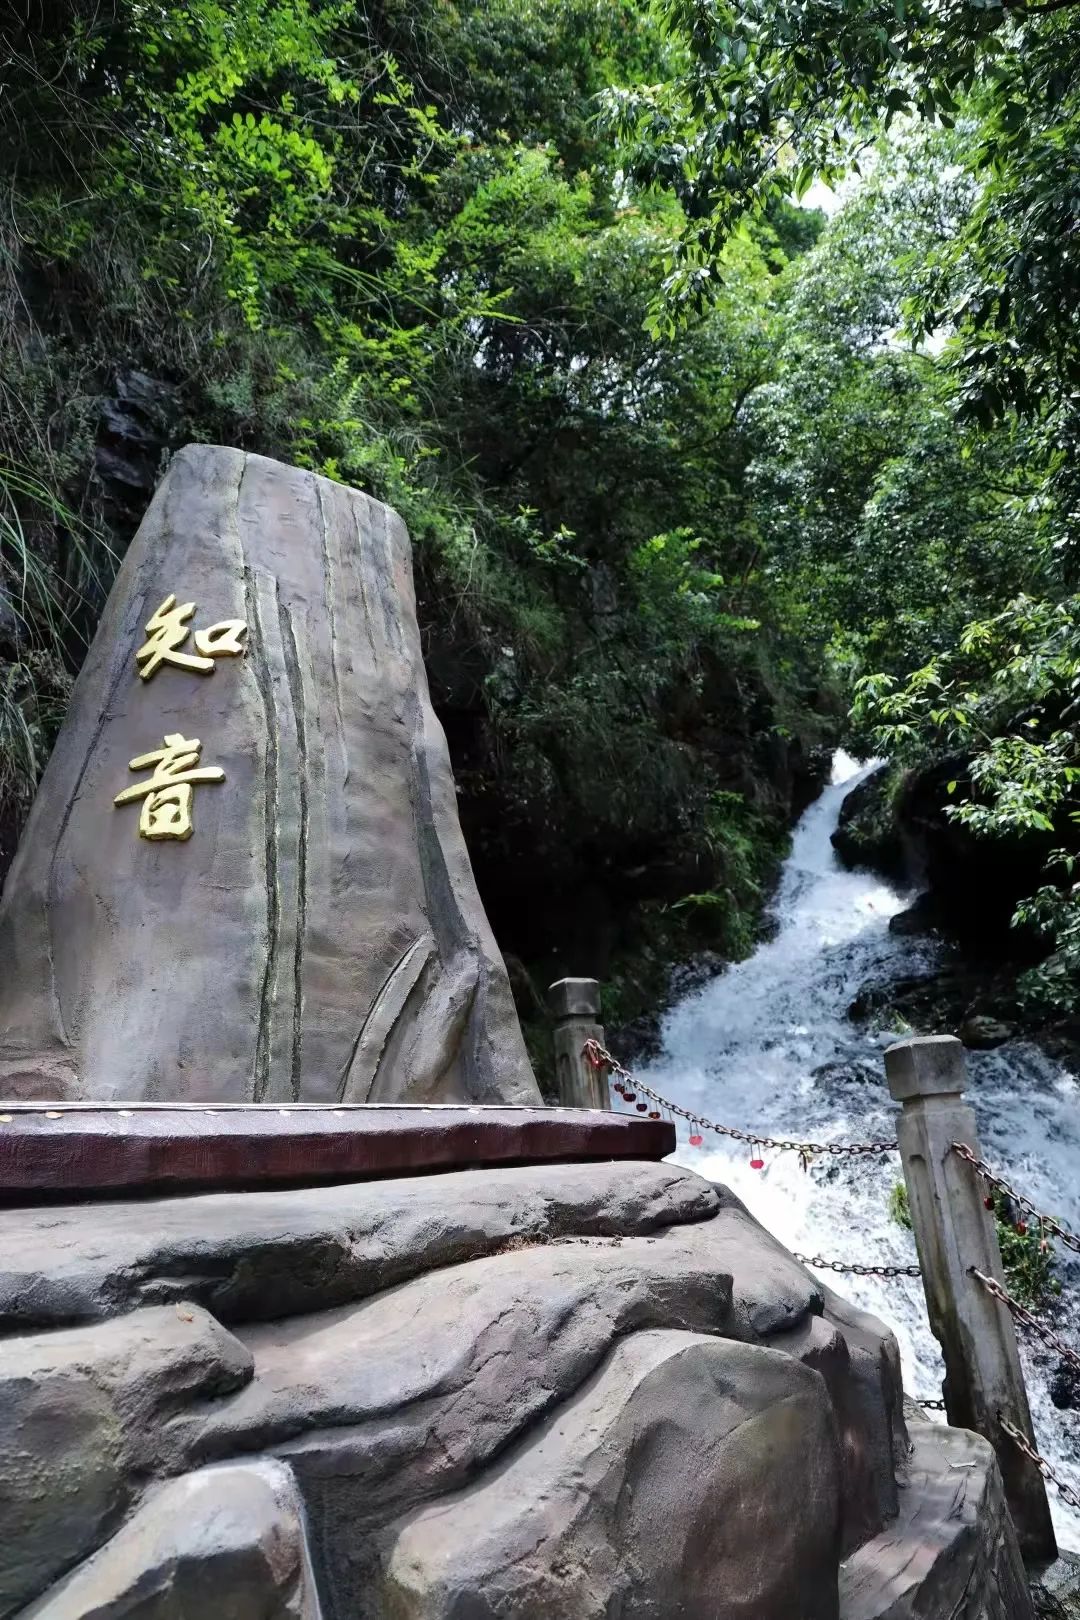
[928, 1403]
[600, 1058]
[1046, 1222]
[856, 1270]
[1022, 1443]
[1028, 1319]
[625, 1084]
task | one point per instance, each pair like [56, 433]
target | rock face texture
[533, 1393]
[81, 1422]
[749, 1434]
[222, 1542]
[317, 933]
[952, 1548]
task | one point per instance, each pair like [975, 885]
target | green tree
[393, 244]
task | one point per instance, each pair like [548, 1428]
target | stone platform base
[564, 1392]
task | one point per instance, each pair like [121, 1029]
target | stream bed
[768, 1046]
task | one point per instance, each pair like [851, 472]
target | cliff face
[966, 889]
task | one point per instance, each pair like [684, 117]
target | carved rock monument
[535, 1391]
[303, 923]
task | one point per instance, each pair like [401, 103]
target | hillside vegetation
[691, 473]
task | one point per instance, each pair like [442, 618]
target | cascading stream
[768, 1046]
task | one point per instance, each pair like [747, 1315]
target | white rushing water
[768, 1046]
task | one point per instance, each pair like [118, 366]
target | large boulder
[693, 1477]
[225, 1542]
[531, 1391]
[299, 920]
[867, 833]
[82, 1423]
[951, 1550]
[285, 1253]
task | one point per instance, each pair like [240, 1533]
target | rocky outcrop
[527, 1392]
[951, 1550]
[658, 1476]
[867, 831]
[82, 1423]
[298, 919]
[902, 825]
[285, 1253]
[224, 1541]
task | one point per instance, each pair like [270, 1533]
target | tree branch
[1037, 11]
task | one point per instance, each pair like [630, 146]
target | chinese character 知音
[169, 629]
[167, 794]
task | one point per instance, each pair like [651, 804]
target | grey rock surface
[319, 936]
[83, 1421]
[435, 1376]
[951, 1551]
[772, 1292]
[869, 1404]
[691, 1477]
[432, 1378]
[853, 1351]
[222, 1544]
[277, 1254]
[980, 1032]
[618, 1353]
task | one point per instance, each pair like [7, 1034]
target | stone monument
[529, 1391]
[244, 877]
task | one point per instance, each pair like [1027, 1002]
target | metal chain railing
[629, 1089]
[854, 1270]
[1046, 1223]
[1028, 1319]
[1022, 1443]
[624, 1084]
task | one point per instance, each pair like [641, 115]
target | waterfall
[768, 1046]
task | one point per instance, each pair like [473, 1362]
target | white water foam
[768, 1046]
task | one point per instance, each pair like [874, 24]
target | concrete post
[955, 1233]
[575, 1004]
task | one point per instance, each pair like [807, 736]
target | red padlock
[654, 1113]
[756, 1161]
[696, 1139]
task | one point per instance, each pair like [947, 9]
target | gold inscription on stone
[169, 629]
[168, 792]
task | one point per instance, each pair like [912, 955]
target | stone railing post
[955, 1235]
[575, 1005]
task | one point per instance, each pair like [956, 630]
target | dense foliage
[392, 244]
[918, 479]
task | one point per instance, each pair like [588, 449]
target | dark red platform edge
[82, 1151]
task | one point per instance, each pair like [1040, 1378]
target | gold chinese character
[167, 795]
[222, 640]
[169, 628]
